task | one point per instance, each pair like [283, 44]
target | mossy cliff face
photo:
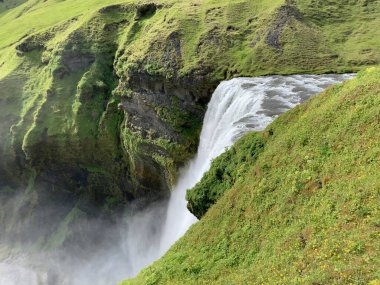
[102, 100]
[298, 203]
[225, 171]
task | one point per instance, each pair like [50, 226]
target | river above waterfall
[237, 106]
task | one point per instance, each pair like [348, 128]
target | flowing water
[15, 274]
[236, 107]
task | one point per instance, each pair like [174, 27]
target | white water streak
[237, 106]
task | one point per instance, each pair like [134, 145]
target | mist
[113, 251]
[103, 250]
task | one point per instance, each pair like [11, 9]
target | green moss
[63, 231]
[66, 65]
[172, 41]
[304, 211]
[181, 120]
[64, 123]
[225, 171]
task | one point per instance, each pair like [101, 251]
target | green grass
[66, 65]
[58, 111]
[6, 5]
[304, 211]
[226, 170]
[346, 30]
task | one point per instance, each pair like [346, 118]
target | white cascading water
[237, 106]
[14, 274]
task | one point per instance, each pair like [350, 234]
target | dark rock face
[53, 169]
[75, 61]
[142, 116]
[89, 165]
[115, 105]
[284, 14]
[146, 10]
[153, 108]
[160, 104]
[28, 46]
[194, 88]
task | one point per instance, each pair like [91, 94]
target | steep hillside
[102, 100]
[299, 202]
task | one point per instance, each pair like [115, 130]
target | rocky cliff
[101, 101]
[294, 204]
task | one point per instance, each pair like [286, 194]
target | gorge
[183, 137]
[237, 106]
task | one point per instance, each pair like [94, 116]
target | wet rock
[283, 16]
[142, 117]
[75, 61]
[113, 8]
[30, 44]
[114, 26]
[146, 10]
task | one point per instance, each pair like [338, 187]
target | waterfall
[14, 274]
[237, 106]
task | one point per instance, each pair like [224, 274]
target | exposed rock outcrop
[282, 17]
[105, 104]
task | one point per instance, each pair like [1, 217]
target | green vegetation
[302, 204]
[225, 171]
[105, 98]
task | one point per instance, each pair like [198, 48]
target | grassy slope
[59, 92]
[230, 37]
[306, 211]
[347, 29]
[219, 38]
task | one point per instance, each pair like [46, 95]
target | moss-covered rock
[300, 202]
[104, 99]
[225, 171]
